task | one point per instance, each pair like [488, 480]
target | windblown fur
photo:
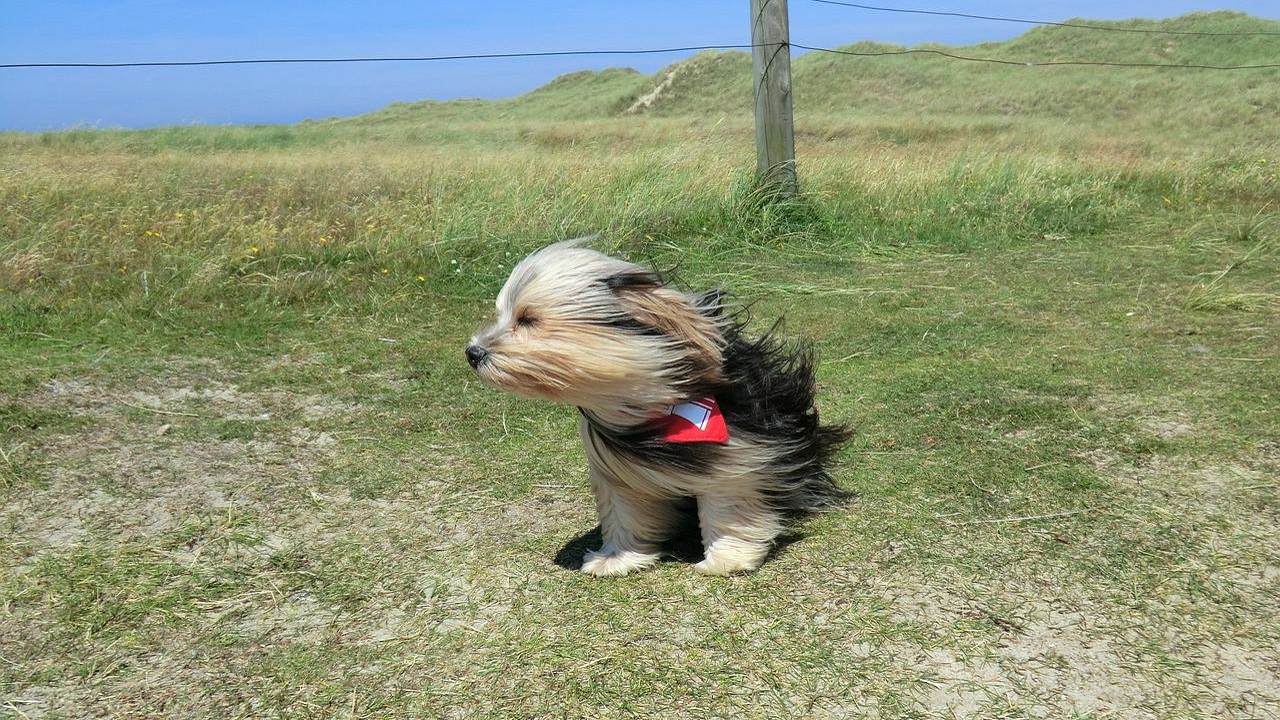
[579, 327]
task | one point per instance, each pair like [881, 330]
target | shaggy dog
[676, 403]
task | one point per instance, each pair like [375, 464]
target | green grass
[245, 472]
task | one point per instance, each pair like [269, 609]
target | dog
[676, 402]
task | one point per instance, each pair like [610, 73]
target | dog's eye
[526, 320]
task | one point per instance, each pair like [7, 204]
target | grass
[244, 471]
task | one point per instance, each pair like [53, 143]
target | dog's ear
[634, 280]
[647, 299]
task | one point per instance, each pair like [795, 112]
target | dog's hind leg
[632, 524]
[737, 532]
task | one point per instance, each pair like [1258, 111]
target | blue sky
[142, 30]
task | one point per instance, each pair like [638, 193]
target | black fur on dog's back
[769, 392]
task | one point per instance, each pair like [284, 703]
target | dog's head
[576, 326]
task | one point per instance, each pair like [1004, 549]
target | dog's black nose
[476, 355]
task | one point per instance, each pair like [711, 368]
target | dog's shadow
[684, 547]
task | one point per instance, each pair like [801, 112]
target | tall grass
[113, 220]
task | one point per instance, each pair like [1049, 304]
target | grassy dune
[244, 471]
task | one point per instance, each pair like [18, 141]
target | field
[246, 472]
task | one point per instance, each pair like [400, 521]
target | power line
[1046, 22]
[647, 51]
[1026, 63]
[429, 58]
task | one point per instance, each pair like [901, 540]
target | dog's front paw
[733, 558]
[609, 561]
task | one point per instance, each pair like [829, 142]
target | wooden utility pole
[771, 69]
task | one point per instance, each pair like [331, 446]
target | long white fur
[635, 504]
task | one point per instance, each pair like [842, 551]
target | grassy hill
[830, 87]
[932, 85]
[586, 93]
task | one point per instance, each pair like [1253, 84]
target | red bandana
[695, 421]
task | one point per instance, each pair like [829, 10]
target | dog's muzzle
[476, 355]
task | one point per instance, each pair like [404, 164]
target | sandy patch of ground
[646, 101]
[134, 472]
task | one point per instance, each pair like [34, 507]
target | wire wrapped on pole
[771, 85]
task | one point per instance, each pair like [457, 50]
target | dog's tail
[816, 490]
[770, 392]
